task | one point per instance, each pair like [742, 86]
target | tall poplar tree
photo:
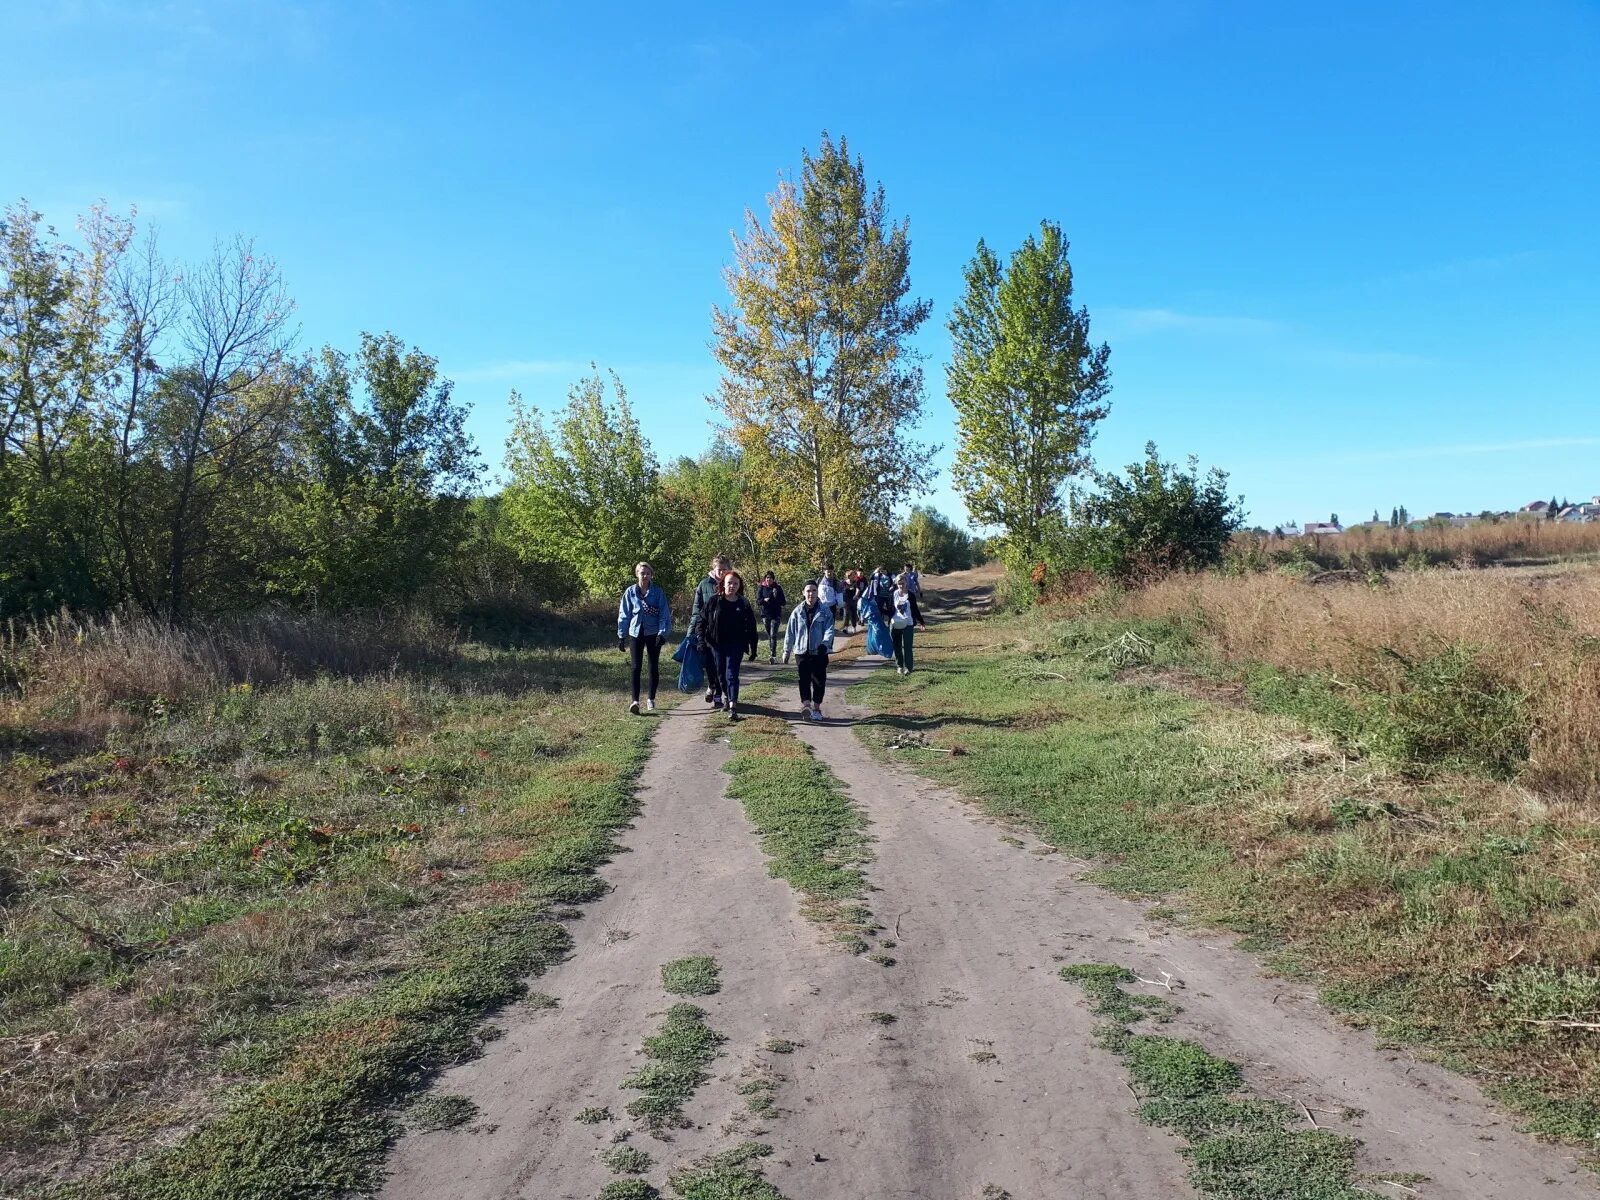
[820, 390]
[1028, 386]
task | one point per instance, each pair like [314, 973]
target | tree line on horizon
[163, 444]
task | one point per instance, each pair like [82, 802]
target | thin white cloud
[1462, 268]
[1280, 338]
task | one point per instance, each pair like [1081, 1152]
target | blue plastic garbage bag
[878, 640]
[692, 675]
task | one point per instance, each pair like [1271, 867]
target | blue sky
[1347, 252]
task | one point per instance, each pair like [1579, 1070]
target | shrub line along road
[989, 1077]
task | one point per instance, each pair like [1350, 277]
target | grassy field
[1447, 908]
[1489, 671]
[1508, 543]
[261, 882]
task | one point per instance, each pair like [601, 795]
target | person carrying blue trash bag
[879, 641]
[699, 663]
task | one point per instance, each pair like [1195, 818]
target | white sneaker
[805, 708]
[815, 713]
[634, 708]
[649, 706]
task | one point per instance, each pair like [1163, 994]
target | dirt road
[988, 1083]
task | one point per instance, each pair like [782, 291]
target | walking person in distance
[905, 618]
[828, 591]
[809, 639]
[728, 626]
[913, 581]
[708, 591]
[771, 600]
[644, 621]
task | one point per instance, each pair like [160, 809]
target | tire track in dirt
[993, 921]
[865, 1112]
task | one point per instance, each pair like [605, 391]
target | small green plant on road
[694, 976]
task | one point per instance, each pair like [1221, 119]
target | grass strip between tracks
[814, 838]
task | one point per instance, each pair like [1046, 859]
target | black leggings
[773, 626]
[813, 670]
[642, 646]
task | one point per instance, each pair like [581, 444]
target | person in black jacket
[703, 595]
[771, 600]
[728, 626]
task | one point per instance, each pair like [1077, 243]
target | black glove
[622, 644]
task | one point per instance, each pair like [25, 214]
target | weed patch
[729, 1175]
[1240, 1148]
[626, 1160]
[678, 1052]
[694, 976]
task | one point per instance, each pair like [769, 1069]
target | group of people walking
[723, 631]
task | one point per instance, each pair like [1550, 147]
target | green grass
[679, 1053]
[628, 1189]
[694, 976]
[195, 881]
[626, 1160]
[729, 1175]
[1439, 908]
[1102, 983]
[1239, 1147]
[813, 837]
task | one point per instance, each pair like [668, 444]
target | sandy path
[908, 1111]
[1011, 912]
[864, 1112]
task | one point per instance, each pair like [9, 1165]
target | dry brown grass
[1538, 637]
[95, 663]
[1476, 545]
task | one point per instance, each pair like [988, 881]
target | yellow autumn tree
[821, 391]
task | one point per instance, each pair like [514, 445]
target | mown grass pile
[307, 884]
[1446, 908]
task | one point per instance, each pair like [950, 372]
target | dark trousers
[708, 659]
[902, 639]
[813, 670]
[728, 659]
[773, 625]
[642, 647]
